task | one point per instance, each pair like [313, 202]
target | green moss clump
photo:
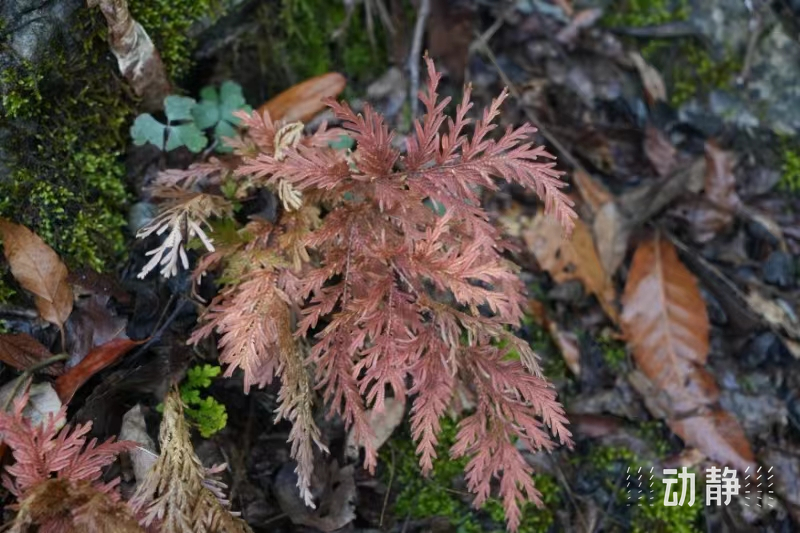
[168, 22]
[614, 354]
[648, 514]
[640, 13]
[790, 169]
[65, 119]
[437, 495]
[701, 72]
[687, 66]
[296, 41]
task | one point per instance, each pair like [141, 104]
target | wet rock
[770, 95]
[766, 348]
[779, 269]
[29, 25]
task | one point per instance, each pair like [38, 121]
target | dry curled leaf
[660, 151]
[666, 323]
[304, 100]
[137, 57]
[569, 259]
[22, 351]
[715, 211]
[39, 270]
[718, 435]
[654, 87]
[98, 359]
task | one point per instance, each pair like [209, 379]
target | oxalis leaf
[216, 109]
[180, 129]
[39, 270]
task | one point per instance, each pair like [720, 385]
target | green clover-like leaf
[147, 129]
[231, 100]
[178, 108]
[188, 135]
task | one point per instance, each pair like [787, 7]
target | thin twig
[415, 53]
[155, 337]
[28, 373]
[388, 489]
[512, 89]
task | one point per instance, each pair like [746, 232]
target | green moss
[688, 68]
[648, 514]
[790, 169]
[658, 518]
[65, 119]
[296, 42]
[701, 73]
[640, 13]
[168, 22]
[614, 354]
[438, 494]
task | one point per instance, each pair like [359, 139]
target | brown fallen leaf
[382, 423]
[582, 20]
[716, 210]
[39, 270]
[593, 193]
[654, 87]
[336, 488]
[570, 259]
[566, 341]
[22, 351]
[304, 100]
[91, 324]
[665, 320]
[660, 151]
[718, 435]
[98, 359]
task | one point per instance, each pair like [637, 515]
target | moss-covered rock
[174, 24]
[63, 114]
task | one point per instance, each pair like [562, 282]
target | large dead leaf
[39, 270]
[22, 351]
[304, 100]
[570, 259]
[664, 317]
[666, 323]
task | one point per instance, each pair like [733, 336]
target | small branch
[566, 154]
[415, 53]
[28, 373]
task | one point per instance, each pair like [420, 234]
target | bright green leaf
[206, 114]
[188, 135]
[178, 108]
[231, 99]
[146, 129]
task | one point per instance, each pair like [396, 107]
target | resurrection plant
[56, 476]
[389, 266]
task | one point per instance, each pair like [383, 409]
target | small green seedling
[204, 412]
